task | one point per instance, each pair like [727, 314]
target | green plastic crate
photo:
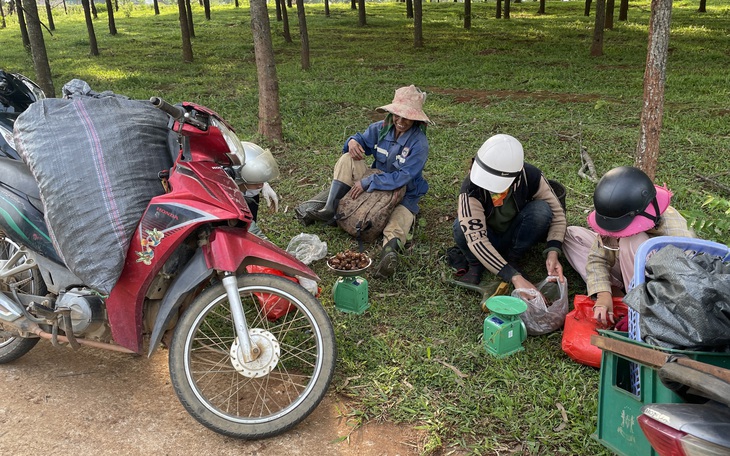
[619, 408]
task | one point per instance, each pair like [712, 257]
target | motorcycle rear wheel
[270, 395]
[12, 346]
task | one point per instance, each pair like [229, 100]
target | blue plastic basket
[691, 247]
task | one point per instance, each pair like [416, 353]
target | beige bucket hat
[408, 103]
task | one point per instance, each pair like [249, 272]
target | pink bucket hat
[408, 103]
[640, 223]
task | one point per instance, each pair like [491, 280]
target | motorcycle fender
[192, 275]
[232, 249]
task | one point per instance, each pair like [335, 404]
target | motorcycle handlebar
[176, 112]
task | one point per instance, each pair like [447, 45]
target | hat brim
[640, 223]
[490, 182]
[405, 111]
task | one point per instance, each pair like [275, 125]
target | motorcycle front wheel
[271, 394]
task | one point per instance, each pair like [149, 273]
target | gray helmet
[260, 165]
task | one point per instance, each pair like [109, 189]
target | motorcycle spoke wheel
[274, 392]
[12, 346]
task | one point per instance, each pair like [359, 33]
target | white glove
[308, 284]
[270, 195]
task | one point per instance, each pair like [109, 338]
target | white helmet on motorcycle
[498, 162]
[260, 166]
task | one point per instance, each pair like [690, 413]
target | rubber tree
[655, 75]
[467, 14]
[281, 4]
[23, 26]
[303, 34]
[187, 46]
[417, 23]
[361, 20]
[2, 15]
[110, 15]
[268, 82]
[49, 15]
[597, 45]
[93, 46]
[38, 49]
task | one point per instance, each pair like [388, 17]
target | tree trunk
[236, 3]
[326, 8]
[187, 46]
[467, 14]
[110, 13]
[269, 115]
[361, 20]
[279, 5]
[22, 24]
[206, 7]
[541, 8]
[303, 34]
[655, 75]
[189, 14]
[93, 9]
[597, 46]
[610, 4]
[116, 5]
[587, 11]
[38, 49]
[285, 18]
[49, 15]
[353, 4]
[506, 8]
[498, 13]
[623, 10]
[65, 9]
[409, 9]
[289, 4]
[94, 48]
[417, 23]
[156, 5]
[703, 6]
[2, 15]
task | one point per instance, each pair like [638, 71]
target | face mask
[252, 192]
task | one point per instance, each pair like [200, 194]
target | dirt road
[94, 402]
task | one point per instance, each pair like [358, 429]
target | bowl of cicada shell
[349, 263]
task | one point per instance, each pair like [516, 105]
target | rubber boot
[388, 259]
[337, 191]
[473, 275]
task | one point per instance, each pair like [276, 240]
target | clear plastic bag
[307, 248]
[541, 317]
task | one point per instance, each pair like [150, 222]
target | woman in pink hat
[629, 209]
[400, 150]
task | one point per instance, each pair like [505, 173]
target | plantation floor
[95, 402]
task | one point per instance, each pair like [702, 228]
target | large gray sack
[96, 161]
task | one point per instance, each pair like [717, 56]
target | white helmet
[498, 162]
[260, 165]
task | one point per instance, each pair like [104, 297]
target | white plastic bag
[307, 248]
[541, 317]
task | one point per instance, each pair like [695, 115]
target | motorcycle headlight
[234, 144]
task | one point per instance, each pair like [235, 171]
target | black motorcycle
[16, 93]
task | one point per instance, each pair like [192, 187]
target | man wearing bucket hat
[506, 206]
[400, 149]
[629, 209]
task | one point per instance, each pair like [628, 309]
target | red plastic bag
[274, 307]
[580, 326]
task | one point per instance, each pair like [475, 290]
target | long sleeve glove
[270, 195]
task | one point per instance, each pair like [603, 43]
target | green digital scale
[504, 330]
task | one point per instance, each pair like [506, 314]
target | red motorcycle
[234, 368]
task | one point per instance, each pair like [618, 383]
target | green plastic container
[351, 295]
[619, 408]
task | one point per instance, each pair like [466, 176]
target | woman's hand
[518, 281]
[356, 190]
[355, 150]
[603, 309]
[553, 266]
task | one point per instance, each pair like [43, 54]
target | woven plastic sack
[580, 326]
[541, 317]
[96, 161]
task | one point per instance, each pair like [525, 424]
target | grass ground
[416, 357]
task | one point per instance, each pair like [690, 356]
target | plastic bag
[580, 326]
[274, 307]
[541, 318]
[307, 248]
